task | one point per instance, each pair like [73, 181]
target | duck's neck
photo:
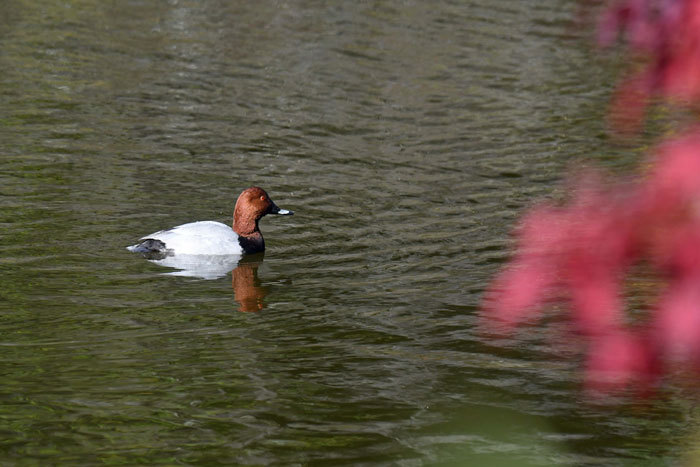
[249, 236]
[252, 243]
[245, 226]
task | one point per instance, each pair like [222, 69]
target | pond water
[407, 136]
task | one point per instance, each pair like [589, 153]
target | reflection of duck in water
[247, 290]
[246, 286]
[200, 266]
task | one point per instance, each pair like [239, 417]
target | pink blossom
[619, 359]
[582, 252]
[677, 322]
[665, 34]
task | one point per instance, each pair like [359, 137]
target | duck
[215, 238]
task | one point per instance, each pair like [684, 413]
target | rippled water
[407, 136]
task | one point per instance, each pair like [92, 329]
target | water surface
[407, 137]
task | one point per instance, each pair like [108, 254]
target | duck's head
[253, 203]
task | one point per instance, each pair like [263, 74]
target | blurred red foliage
[580, 253]
[665, 35]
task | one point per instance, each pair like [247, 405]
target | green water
[406, 136]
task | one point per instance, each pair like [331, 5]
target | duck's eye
[262, 198]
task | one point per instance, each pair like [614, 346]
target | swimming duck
[215, 238]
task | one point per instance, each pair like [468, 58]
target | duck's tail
[148, 246]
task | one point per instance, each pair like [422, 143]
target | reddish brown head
[253, 204]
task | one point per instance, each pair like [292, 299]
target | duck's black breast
[252, 244]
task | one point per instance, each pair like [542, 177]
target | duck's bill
[282, 212]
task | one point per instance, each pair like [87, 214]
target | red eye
[262, 198]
